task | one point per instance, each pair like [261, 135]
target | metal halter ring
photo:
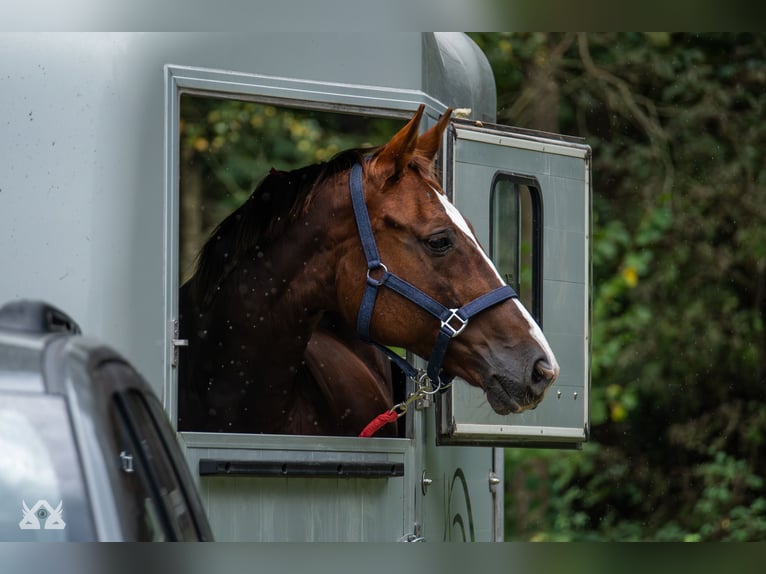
[426, 387]
[371, 280]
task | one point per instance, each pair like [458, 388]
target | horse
[366, 239]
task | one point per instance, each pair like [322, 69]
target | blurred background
[679, 252]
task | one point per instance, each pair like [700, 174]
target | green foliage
[679, 282]
[234, 143]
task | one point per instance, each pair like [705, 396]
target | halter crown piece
[453, 321]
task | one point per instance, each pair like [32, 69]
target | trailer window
[227, 146]
[516, 236]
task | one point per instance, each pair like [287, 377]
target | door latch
[175, 343]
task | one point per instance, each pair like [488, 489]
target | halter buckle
[447, 327]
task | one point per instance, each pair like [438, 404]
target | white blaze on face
[458, 219]
[534, 329]
[537, 334]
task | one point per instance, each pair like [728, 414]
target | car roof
[42, 351]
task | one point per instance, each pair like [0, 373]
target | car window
[42, 491]
[157, 504]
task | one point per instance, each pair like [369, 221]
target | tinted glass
[158, 506]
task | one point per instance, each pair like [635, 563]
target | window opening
[226, 147]
[516, 236]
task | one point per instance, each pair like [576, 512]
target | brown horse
[268, 311]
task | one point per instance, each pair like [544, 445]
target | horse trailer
[110, 184]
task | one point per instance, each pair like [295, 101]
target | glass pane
[506, 231]
[515, 228]
[160, 509]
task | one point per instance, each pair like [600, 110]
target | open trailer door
[528, 197]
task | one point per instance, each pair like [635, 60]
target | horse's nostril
[544, 372]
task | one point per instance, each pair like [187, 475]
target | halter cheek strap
[453, 321]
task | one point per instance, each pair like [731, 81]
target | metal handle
[494, 480]
[301, 468]
[175, 343]
[425, 482]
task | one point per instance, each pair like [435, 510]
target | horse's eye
[439, 244]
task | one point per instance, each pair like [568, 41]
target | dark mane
[276, 202]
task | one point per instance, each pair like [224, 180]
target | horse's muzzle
[507, 394]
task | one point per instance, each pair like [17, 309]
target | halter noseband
[453, 321]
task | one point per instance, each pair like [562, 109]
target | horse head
[422, 240]
[368, 238]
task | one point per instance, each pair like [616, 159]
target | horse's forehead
[454, 214]
[460, 222]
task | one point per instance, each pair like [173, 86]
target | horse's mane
[275, 203]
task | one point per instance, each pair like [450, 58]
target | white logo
[42, 516]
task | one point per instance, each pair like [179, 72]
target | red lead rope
[378, 423]
[391, 415]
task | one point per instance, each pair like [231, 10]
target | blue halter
[453, 321]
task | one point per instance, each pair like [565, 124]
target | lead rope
[423, 390]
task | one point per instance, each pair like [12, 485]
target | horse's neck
[268, 305]
[250, 343]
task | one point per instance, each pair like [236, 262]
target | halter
[453, 321]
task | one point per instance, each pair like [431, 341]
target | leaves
[679, 289]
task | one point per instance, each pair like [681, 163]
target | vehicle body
[88, 453]
[92, 155]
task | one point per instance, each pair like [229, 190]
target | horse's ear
[430, 142]
[399, 151]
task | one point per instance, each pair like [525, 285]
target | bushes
[679, 293]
